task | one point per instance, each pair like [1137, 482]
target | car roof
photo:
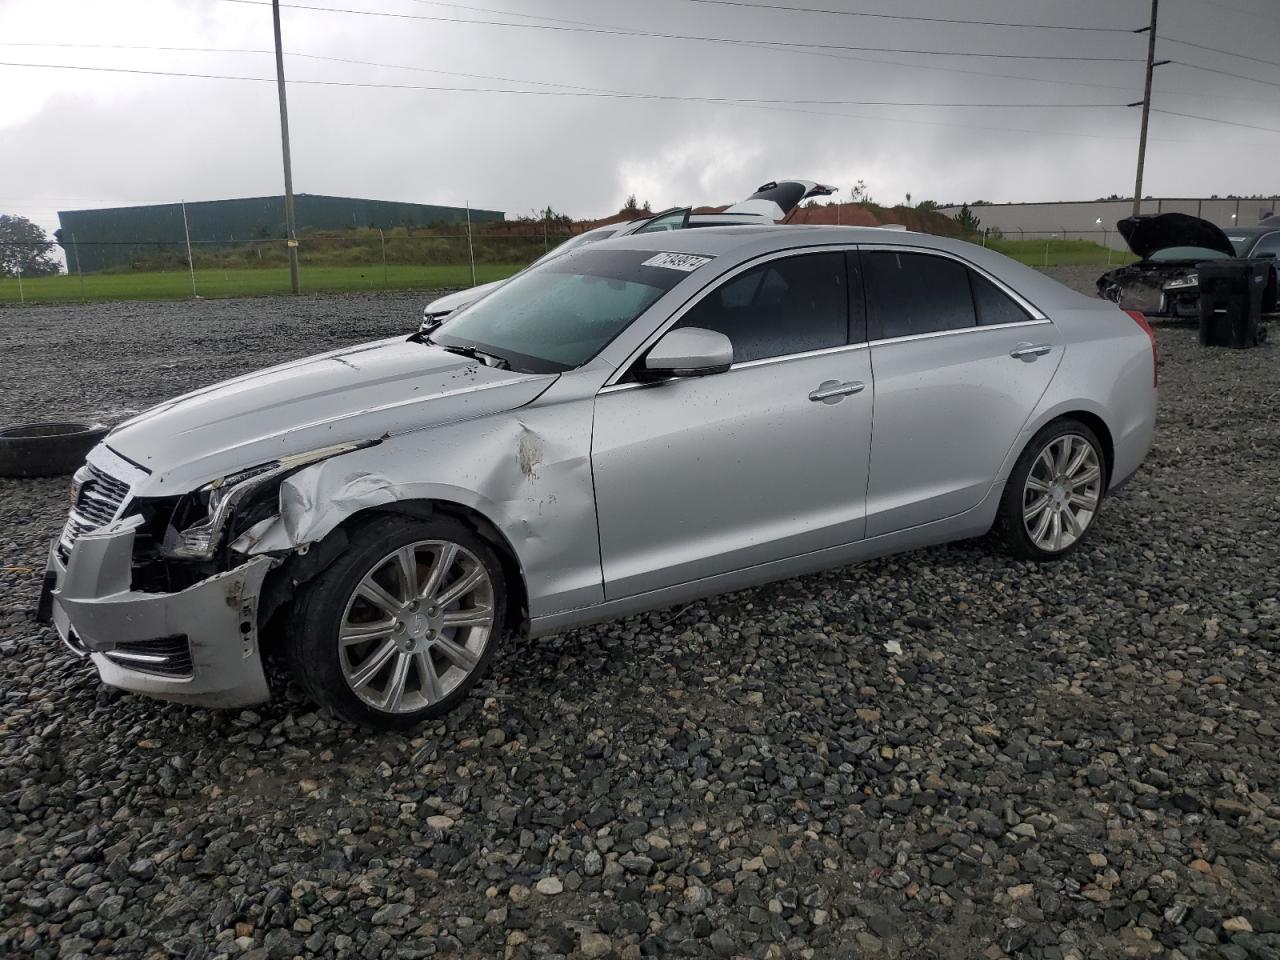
[741, 243]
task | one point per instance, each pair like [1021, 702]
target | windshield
[1242, 244]
[561, 314]
[1188, 253]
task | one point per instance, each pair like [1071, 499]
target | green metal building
[112, 238]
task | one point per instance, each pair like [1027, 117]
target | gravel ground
[945, 754]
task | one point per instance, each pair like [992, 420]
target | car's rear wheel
[1054, 493]
[403, 624]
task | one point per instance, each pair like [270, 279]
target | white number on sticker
[687, 262]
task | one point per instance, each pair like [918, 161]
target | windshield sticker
[686, 262]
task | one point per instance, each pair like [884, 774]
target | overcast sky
[73, 139]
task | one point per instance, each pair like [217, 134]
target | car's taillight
[1141, 321]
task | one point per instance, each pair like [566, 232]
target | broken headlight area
[1190, 282]
[185, 539]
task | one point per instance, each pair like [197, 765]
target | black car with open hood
[1165, 282]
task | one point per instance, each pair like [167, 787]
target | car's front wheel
[402, 625]
[1054, 492]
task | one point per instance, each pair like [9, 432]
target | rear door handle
[1029, 351]
[833, 391]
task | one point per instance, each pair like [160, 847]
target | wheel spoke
[373, 665]
[445, 558]
[462, 587]
[1038, 533]
[1091, 475]
[474, 617]
[407, 563]
[1072, 523]
[1064, 454]
[457, 654]
[1033, 511]
[1084, 501]
[428, 679]
[353, 633]
[1078, 460]
[378, 596]
[395, 688]
[1036, 484]
[1055, 531]
[1046, 459]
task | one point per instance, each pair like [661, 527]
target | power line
[1230, 123]
[737, 41]
[914, 19]
[1224, 73]
[1229, 53]
[613, 95]
[758, 104]
[891, 63]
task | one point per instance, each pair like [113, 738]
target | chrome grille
[98, 500]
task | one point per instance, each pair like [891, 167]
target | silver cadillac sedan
[634, 424]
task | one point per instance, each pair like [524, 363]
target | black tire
[47, 449]
[1010, 527]
[312, 631]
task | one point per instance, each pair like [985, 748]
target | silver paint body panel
[616, 496]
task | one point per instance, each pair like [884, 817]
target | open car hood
[1150, 233]
[777, 198]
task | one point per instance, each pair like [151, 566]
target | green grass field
[214, 282]
[1060, 253]
[176, 284]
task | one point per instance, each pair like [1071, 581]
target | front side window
[909, 294]
[560, 314]
[782, 307]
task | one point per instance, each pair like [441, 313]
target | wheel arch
[1086, 414]
[301, 567]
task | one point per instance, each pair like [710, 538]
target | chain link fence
[373, 260]
[366, 260]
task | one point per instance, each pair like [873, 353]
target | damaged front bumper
[197, 646]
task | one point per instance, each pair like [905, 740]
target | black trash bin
[1233, 294]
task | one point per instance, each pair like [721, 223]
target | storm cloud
[71, 139]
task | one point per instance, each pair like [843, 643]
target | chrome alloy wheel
[416, 626]
[1062, 492]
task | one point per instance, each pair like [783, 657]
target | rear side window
[994, 305]
[909, 294]
[1268, 244]
[781, 307]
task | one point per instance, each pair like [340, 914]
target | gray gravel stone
[746, 774]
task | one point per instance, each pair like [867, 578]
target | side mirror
[688, 352]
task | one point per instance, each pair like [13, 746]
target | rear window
[909, 294]
[560, 314]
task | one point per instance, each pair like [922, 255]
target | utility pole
[291, 231]
[1146, 102]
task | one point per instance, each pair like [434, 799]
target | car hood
[358, 393]
[1150, 233]
[463, 298]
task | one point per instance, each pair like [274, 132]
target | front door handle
[833, 391]
[1027, 352]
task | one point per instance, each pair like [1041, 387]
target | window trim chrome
[1037, 316]
[906, 338]
[716, 284]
